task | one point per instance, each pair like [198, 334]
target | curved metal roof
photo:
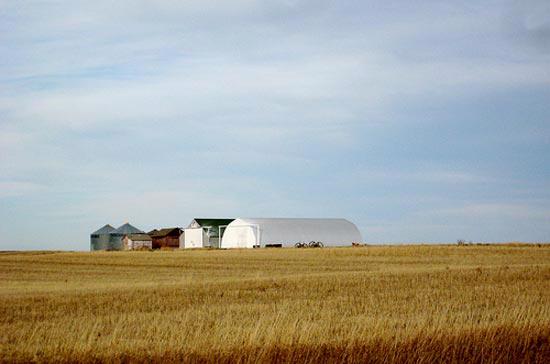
[247, 232]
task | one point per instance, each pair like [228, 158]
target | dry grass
[369, 304]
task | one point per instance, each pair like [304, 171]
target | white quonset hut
[262, 232]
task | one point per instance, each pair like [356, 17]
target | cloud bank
[418, 122]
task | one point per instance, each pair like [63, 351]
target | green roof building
[204, 233]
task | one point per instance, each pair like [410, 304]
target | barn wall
[140, 244]
[129, 244]
[166, 242]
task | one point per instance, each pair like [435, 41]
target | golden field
[416, 304]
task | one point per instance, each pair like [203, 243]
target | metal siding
[115, 242]
[99, 243]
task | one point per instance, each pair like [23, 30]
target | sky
[418, 121]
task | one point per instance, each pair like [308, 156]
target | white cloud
[258, 96]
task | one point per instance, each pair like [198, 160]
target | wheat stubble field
[369, 304]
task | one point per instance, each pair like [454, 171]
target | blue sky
[419, 121]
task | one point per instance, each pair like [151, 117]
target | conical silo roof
[107, 229]
[128, 229]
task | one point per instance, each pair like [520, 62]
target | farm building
[115, 240]
[262, 232]
[109, 238]
[204, 233]
[99, 239]
[137, 241]
[166, 238]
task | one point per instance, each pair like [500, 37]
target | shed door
[194, 238]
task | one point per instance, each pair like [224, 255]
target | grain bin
[115, 237]
[99, 239]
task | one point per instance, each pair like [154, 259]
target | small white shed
[194, 238]
[261, 232]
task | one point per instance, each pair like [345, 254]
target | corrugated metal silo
[99, 239]
[115, 237]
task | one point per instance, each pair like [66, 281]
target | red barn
[166, 238]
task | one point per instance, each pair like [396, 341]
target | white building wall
[240, 236]
[182, 240]
[195, 238]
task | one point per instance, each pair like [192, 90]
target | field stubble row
[377, 304]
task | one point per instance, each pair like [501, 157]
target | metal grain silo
[99, 239]
[115, 237]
